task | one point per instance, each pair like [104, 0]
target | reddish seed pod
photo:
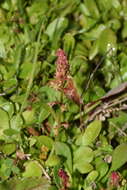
[114, 179]
[71, 92]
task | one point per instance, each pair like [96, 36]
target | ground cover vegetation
[61, 128]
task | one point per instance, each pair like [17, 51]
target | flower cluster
[65, 179]
[63, 81]
[62, 66]
[115, 179]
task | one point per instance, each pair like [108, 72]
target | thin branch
[94, 71]
[119, 130]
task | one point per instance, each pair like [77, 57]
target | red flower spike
[114, 179]
[63, 81]
[62, 66]
[64, 177]
[62, 69]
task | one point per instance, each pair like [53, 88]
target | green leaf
[101, 167]
[65, 7]
[55, 29]
[32, 169]
[95, 33]
[25, 70]
[9, 83]
[69, 44]
[83, 168]
[9, 108]
[52, 160]
[53, 188]
[105, 5]
[107, 40]
[124, 31]
[44, 140]
[119, 157]
[91, 132]
[16, 122]
[15, 170]
[91, 177]
[37, 9]
[123, 65]
[9, 148]
[44, 113]
[4, 122]
[11, 132]
[2, 50]
[83, 154]
[82, 157]
[94, 50]
[119, 121]
[84, 9]
[49, 94]
[31, 183]
[29, 116]
[58, 24]
[5, 168]
[92, 7]
[116, 4]
[63, 149]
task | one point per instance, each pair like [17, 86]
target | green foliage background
[91, 32]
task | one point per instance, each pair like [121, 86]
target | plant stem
[33, 70]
